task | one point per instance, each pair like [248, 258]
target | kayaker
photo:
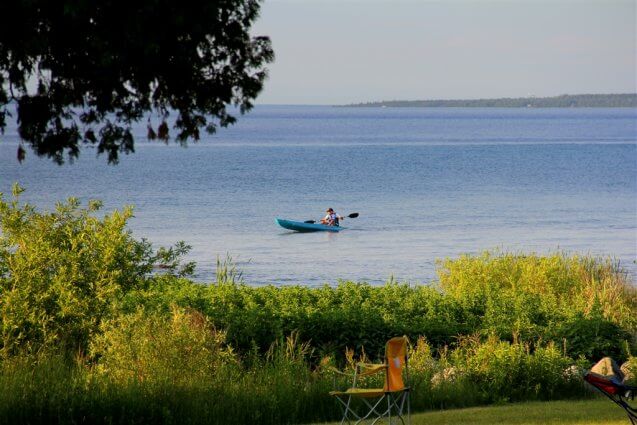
[331, 219]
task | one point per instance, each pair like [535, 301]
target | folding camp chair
[378, 403]
[614, 389]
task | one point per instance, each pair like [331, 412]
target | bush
[353, 315]
[179, 349]
[546, 297]
[63, 272]
[484, 295]
[60, 272]
[629, 369]
[592, 337]
[505, 371]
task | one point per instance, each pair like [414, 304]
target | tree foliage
[98, 67]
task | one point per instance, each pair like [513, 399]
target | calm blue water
[428, 184]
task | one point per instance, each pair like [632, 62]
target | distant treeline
[626, 100]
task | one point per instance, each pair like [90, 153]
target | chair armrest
[366, 369]
[336, 373]
[335, 370]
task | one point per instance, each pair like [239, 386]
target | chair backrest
[603, 383]
[396, 359]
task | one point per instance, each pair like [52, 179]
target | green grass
[582, 412]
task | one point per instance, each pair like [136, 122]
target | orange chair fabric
[395, 355]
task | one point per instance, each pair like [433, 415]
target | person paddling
[331, 219]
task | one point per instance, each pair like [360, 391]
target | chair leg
[373, 409]
[393, 412]
[347, 410]
[396, 404]
[408, 408]
[632, 413]
[349, 399]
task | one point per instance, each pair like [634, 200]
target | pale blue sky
[334, 52]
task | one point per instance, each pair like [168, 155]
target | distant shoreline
[622, 100]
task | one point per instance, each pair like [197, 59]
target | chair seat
[367, 392]
[361, 392]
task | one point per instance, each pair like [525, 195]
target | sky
[350, 51]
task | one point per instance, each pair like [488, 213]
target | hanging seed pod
[162, 131]
[21, 154]
[89, 135]
[151, 133]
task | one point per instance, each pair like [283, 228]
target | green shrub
[476, 296]
[592, 337]
[505, 371]
[585, 299]
[629, 368]
[349, 314]
[353, 315]
[61, 271]
[180, 348]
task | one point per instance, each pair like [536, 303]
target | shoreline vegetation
[620, 100]
[89, 333]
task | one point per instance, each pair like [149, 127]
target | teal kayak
[300, 226]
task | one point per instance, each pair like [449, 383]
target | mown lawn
[581, 412]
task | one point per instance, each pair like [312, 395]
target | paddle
[352, 215]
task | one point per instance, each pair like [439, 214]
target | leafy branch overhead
[82, 72]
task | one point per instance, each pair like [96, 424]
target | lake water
[428, 184]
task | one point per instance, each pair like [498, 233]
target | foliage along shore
[89, 334]
[620, 100]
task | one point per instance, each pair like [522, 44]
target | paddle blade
[309, 221]
[353, 215]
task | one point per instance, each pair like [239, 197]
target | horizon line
[454, 99]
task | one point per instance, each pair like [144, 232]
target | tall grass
[585, 302]
[553, 284]
[281, 387]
